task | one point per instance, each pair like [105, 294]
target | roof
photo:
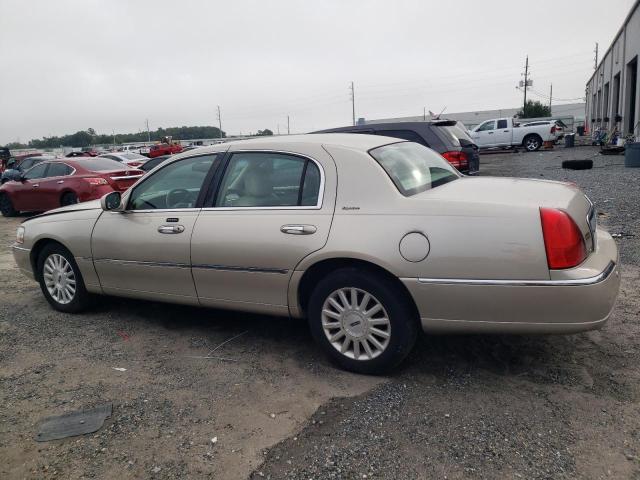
[291, 142]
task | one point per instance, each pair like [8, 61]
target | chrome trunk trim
[602, 276]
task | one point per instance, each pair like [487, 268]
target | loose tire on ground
[577, 164]
[60, 279]
[6, 206]
[367, 299]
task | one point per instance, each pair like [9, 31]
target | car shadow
[438, 355]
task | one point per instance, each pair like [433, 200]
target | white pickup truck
[504, 132]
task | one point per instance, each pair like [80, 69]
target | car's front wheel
[60, 279]
[362, 321]
[6, 206]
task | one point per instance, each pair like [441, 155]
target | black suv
[444, 136]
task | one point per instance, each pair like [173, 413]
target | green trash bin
[632, 155]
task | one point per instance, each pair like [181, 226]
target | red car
[63, 182]
[164, 149]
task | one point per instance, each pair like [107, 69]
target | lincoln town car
[367, 238]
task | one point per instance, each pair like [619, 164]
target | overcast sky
[110, 64]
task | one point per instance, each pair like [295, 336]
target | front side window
[177, 185]
[414, 168]
[36, 172]
[259, 179]
[490, 125]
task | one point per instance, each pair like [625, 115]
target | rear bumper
[22, 256]
[572, 301]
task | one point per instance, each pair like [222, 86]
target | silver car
[367, 237]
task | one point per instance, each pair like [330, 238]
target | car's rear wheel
[532, 142]
[362, 321]
[60, 280]
[6, 206]
[68, 198]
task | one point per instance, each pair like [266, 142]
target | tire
[378, 351]
[6, 206]
[577, 164]
[532, 142]
[68, 198]
[55, 260]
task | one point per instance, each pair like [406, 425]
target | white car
[504, 132]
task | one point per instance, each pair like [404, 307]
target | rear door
[54, 184]
[270, 210]
[503, 134]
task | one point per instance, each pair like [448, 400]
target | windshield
[414, 168]
[99, 164]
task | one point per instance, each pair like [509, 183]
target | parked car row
[53, 183]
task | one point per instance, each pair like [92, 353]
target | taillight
[95, 181]
[457, 159]
[553, 129]
[563, 239]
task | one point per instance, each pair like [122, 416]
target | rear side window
[259, 179]
[409, 135]
[59, 170]
[502, 124]
[414, 168]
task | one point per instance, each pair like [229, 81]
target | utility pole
[526, 81]
[424, 114]
[278, 129]
[550, 97]
[114, 137]
[353, 103]
[288, 129]
[595, 60]
[148, 133]
[219, 121]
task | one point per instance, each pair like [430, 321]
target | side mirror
[111, 201]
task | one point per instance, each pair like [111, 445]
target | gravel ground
[501, 407]
[461, 407]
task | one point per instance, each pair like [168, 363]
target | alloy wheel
[59, 278]
[532, 144]
[356, 323]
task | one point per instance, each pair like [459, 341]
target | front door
[26, 194]
[145, 250]
[270, 210]
[485, 133]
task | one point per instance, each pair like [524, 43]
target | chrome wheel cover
[532, 144]
[356, 323]
[59, 278]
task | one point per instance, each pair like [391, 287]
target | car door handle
[36, 185]
[490, 133]
[298, 229]
[506, 131]
[60, 182]
[169, 229]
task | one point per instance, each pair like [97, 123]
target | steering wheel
[177, 197]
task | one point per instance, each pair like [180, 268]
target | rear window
[98, 164]
[414, 168]
[455, 134]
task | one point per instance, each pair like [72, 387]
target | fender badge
[350, 208]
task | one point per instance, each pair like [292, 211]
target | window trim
[223, 171]
[201, 195]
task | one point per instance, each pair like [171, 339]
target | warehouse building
[613, 100]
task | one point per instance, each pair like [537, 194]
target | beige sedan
[369, 238]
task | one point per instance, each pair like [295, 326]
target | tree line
[86, 138]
